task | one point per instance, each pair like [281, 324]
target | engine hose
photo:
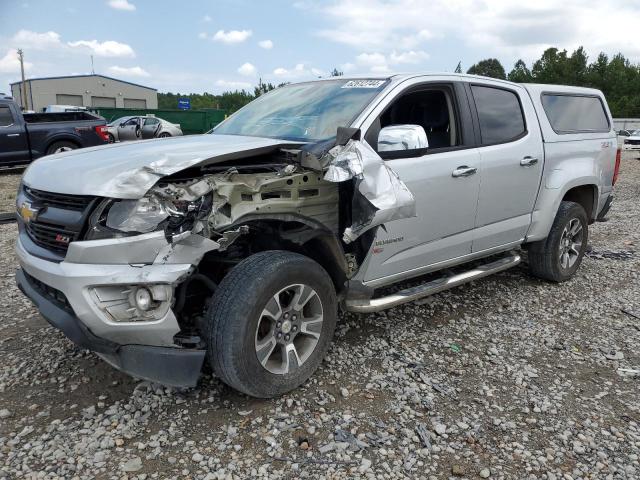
[182, 294]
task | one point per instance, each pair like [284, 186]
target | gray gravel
[509, 377]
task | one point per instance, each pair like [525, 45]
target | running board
[434, 286]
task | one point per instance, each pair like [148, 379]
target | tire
[111, 138]
[239, 329]
[554, 260]
[58, 147]
[164, 135]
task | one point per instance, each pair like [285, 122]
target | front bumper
[168, 366]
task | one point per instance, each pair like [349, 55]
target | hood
[130, 169]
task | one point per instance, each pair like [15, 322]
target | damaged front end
[320, 200]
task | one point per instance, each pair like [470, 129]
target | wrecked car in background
[141, 127]
[239, 246]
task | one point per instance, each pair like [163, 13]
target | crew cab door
[14, 144]
[512, 158]
[130, 129]
[443, 179]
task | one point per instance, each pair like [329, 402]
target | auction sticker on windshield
[363, 83]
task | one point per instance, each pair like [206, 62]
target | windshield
[635, 133]
[306, 112]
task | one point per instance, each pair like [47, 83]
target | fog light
[143, 299]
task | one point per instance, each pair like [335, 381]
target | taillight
[102, 132]
[616, 170]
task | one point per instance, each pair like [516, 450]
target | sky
[193, 46]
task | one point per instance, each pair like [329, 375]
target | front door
[14, 145]
[445, 181]
[130, 129]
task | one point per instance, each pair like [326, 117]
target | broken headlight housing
[118, 218]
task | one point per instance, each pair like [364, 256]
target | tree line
[617, 77]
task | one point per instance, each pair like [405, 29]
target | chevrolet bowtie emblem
[27, 212]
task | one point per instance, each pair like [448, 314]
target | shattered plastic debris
[384, 197]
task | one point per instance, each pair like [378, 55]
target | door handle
[13, 134]
[528, 161]
[464, 171]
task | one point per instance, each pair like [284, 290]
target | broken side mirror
[402, 137]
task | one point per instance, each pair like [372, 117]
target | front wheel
[558, 257]
[164, 135]
[270, 323]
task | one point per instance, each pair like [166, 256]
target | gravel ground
[508, 377]
[8, 187]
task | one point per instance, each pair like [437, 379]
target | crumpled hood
[130, 169]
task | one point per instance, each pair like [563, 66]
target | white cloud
[371, 59]
[109, 48]
[498, 28]
[232, 36]
[38, 41]
[232, 85]
[129, 71]
[202, 35]
[266, 44]
[121, 5]
[10, 63]
[247, 70]
[410, 57]
[299, 72]
[207, 18]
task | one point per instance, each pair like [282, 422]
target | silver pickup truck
[239, 247]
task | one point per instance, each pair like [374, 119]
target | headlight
[117, 218]
[143, 215]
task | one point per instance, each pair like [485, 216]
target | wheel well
[58, 140]
[584, 195]
[313, 241]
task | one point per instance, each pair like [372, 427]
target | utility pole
[93, 72]
[23, 95]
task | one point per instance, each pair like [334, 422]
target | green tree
[520, 73]
[491, 67]
[336, 73]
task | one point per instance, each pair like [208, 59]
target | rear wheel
[558, 257]
[111, 138]
[59, 147]
[164, 135]
[270, 323]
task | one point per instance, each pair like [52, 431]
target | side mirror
[402, 137]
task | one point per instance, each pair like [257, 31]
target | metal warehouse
[83, 91]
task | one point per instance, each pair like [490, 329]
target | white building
[84, 91]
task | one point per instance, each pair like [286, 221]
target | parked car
[141, 128]
[25, 137]
[632, 141]
[238, 247]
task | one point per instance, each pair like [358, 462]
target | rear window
[499, 113]
[575, 113]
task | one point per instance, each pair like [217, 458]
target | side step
[434, 286]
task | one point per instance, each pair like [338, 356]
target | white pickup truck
[239, 247]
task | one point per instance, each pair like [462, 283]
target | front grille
[52, 237]
[51, 293]
[632, 142]
[60, 218]
[58, 200]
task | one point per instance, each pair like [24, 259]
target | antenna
[93, 72]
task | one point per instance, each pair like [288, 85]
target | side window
[432, 109]
[131, 121]
[6, 118]
[575, 113]
[151, 121]
[499, 113]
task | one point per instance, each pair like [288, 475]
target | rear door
[444, 180]
[512, 157]
[14, 144]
